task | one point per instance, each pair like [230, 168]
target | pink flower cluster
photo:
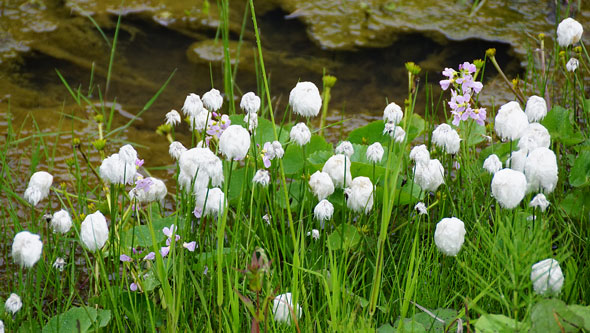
[464, 89]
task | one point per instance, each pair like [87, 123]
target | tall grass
[366, 271]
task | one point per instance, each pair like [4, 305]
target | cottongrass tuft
[375, 152]
[509, 187]
[38, 187]
[547, 277]
[492, 164]
[338, 168]
[94, 231]
[13, 304]
[449, 235]
[26, 249]
[360, 195]
[300, 134]
[283, 308]
[305, 99]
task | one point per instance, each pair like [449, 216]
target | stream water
[157, 38]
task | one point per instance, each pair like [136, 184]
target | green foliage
[559, 124]
[552, 315]
[489, 323]
[345, 237]
[580, 172]
[78, 319]
[140, 235]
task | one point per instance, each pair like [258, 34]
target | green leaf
[78, 319]
[577, 203]
[370, 133]
[476, 136]
[386, 328]
[498, 323]
[580, 172]
[409, 325]
[433, 325]
[293, 159]
[415, 127]
[559, 124]
[264, 132]
[583, 312]
[141, 236]
[235, 187]
[318, 158]
[345, 237]
[552, 315]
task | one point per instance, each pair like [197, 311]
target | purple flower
[190, 246]
[169, 240]
[206, 270]
[144, 184]
[125, 258]
[468, 68]
[164, 251]
[169, 231]
[136, 251]
[198, 212]
[479, 115]
[139, 162]
[460, 107]
[133, 286]
[467, 83]
[450, 73]
[150, 256]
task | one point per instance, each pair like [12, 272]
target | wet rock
[350, 24]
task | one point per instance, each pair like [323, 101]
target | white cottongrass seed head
[540, 201]
[338, 168]
[509, 187]
[535, 136]
[26, 249]
[540, 169]
[251, 119]
[569, 32]
[511, 121]
[314, 233]
[176, 149]
[396, 132]
[492, 164]
[547, 277]
[345, 147]
[449, 235]
[300, 134]
[192, 105]
[572, 65]
[517, 160]
[38, 187]
[234, 142]
[173, 118]
[13, 304]
[94, 231]
[321, 184]
[149, 189]
[535, 109]
[61, 222]
[419, 154]
[445, 137]
[305, 99]
[323, 211]
[283, 308]
[59, 264]
[214, 204]
[393, 114]
[120, 168]
[1, 326]
[202, 165]
[212, 100]
[375, 152]
[261, 177]
[429, 176]
[360, 195]
[250, 103]
[421, 208]
[199, 121]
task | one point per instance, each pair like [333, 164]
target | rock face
[350, 24]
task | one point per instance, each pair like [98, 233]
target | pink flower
[150, 256]
[125, 258]
[169, 231]
[133, 286]
[164, 251]
[190, 246]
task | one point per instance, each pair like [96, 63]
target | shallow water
[157, 38]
